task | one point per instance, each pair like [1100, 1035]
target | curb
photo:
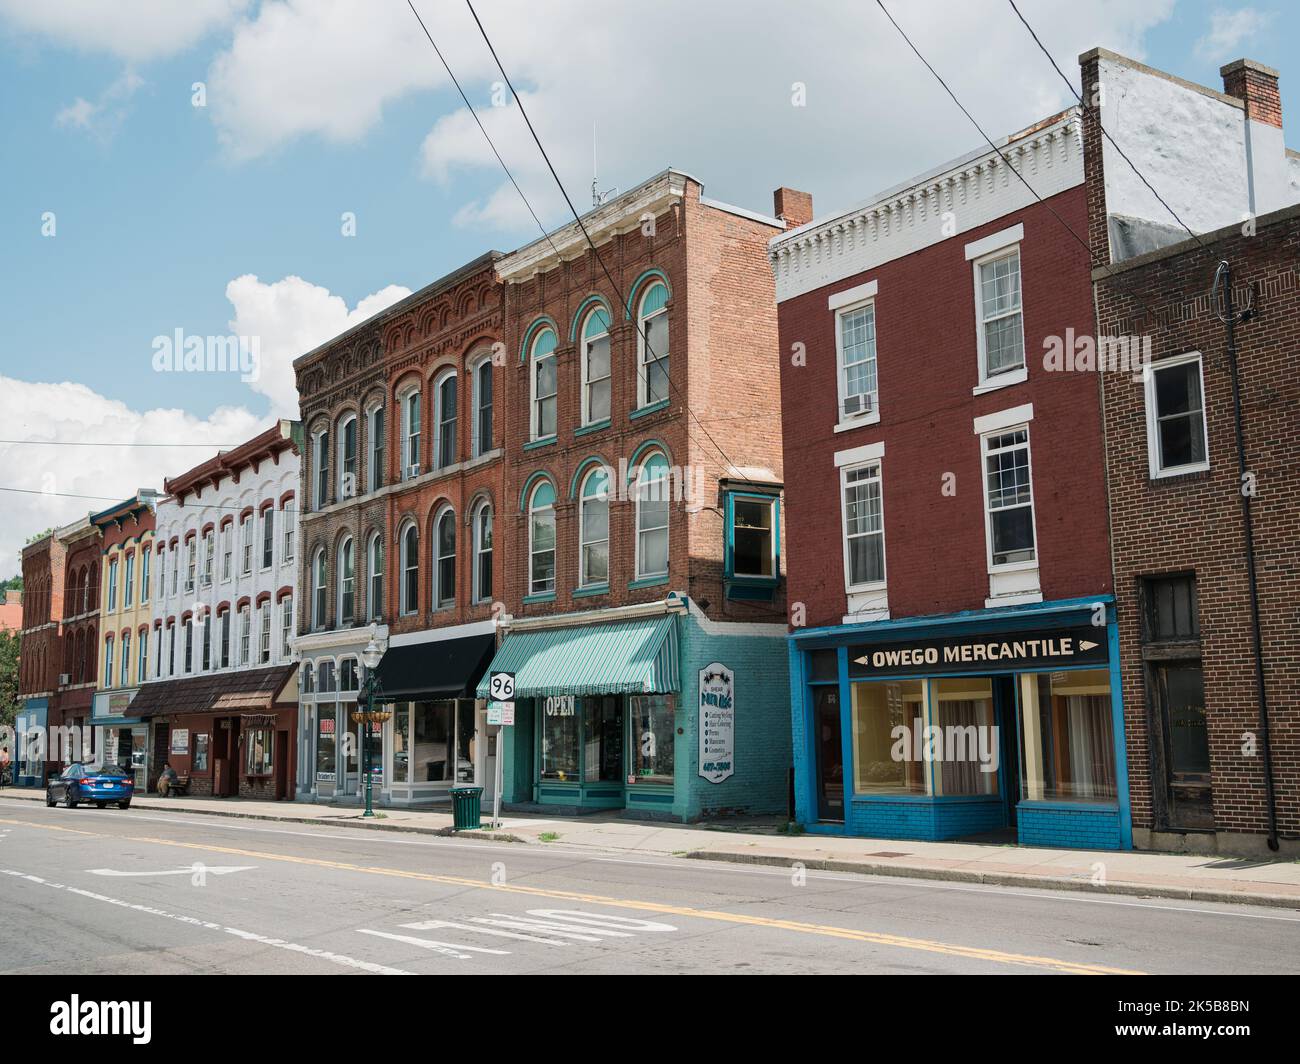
[1005, 879]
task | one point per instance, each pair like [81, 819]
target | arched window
[543, 388]
[595, 367]
[375, 566]
[541, 540]
[142, 654]
[125, 674]
[410, 570]
[445, 568]
[320, 456]
[347, 582]
[108, 662]
[652, 345]
[652, 489]
[318, 586]
[409, 404]
[375, 436]
[308, 684]
[593, 547]
[482, 378]
[347, 461]
[444, 398]
[482, 525]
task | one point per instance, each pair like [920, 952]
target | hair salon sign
[717, 722]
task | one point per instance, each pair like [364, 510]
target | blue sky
[317, 107]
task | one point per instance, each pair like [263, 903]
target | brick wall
[1193, 523]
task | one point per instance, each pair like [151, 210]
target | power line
[87, 443]
[118, 498]
[577, 218]
[1123, 155]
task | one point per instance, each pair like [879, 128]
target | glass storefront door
[602, 725]
[830, 754]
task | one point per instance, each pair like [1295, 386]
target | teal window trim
[729, 570]
[593, 461]
[634, 292]
[647, 581]
[645, 411]
[595, 426]
[540, 323]
[545, 441]
[646, 447]
[583, 308]
[593, 589]
[544, 596]
[535, 478]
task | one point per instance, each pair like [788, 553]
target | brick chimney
[795, 208]
[1256, 85]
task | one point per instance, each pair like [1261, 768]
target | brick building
[1210, 768]
[948, 567]
[11, 611]
[221, 700]
[41, 664]
[641, 510]
[402, 479]
[79, 631]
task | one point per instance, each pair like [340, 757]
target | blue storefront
[654, 709]
[29, 743]
[1002, 723]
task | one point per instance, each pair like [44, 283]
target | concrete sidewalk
[1182, 876]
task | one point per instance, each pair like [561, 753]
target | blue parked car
[81, 783]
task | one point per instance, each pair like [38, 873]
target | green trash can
[466, 808]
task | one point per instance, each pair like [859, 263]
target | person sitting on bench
[167, 780]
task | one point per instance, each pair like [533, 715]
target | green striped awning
[622, 657]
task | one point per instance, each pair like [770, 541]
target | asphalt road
[108, 891]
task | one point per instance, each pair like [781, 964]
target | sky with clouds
[282, 169]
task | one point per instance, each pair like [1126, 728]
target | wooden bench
[180, 785]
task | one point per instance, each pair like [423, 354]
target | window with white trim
[246, 543]
[286, 626]
[108, 662]
[410, 598]
[318, 596]
[1177, 433]
[265, 619]
[375, 435]
[224, 651]
[375, 565]
[544, 386]
[209, 554]
[320, 453]
[287, 524]
[444, 585]
[410, 458]
[347, 457]
[227, 551]
[346, 582]
[864, 526]
[855, 346]
[1008, 497]
[190, 563]
[1001, 337]
[482, 525]
[128, 582]
[126, 659]
[652, 490]
[142, 665]
[245, 624]
[482, 376]
[541, 539]
[112, 585]
[444, 397]
[145, 576]
[652, 346]
[268, 536]
[595, 367]
[593, 529]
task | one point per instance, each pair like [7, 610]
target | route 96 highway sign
[501, 687]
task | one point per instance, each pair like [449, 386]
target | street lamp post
[369, 716]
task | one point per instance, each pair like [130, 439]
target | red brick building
[1213, 765]
[41, 664]
[401, 482]
[80, 628]
[642, 409]
[948, 563]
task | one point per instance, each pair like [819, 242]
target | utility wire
[577, 218]
[86, 443]
[1105, 133]
[118, 498]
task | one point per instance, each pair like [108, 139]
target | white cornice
[620, 215]
[957, 198]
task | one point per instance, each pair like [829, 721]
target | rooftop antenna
[597, 197]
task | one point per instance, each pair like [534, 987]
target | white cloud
[103, 118]
[134, 30]
[72, 413]
[290, 317]
[1228, 31]
[714, 99]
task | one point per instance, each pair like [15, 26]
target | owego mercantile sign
[1081, 645]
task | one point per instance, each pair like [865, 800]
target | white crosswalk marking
[448, 949]
[434, 925]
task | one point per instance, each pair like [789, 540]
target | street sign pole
[501, 712]
[500, 780]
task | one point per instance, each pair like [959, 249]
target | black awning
[444, 668]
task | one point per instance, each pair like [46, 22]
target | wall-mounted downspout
[1230, 319]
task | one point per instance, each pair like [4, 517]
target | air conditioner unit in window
[412, 470]
[65, 678]
[856, 405]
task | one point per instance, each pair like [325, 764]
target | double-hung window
[268, 536]
[112, 585]
[444, 393]
[142, 653]
[410, 404]
[999, 316]
[347, 486]
[245, 620]
[653, 490]
[483, 407]
[855, 344]
[864, 526]
[595, 367]
[1009, 498]
[318, 589]
[286, 626]
[208, 547]
[128, 589]
[346, 574]
[410, 559]
[483, 553]
[126, 659]
[375, 564]
[541, 540]
[264, 657]
[375, 433]
[1175, 409]
[189, 565]
[593, 552]
[108, 662]
[321, 461]
[652, 346]
[224, 620]
[286, 523]
[145, 576]
[444, 593]
[227, 551]
[544, 386]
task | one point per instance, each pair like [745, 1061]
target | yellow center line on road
[851, 934]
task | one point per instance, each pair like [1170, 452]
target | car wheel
[69, 802]
[50, 803]
[124, 805]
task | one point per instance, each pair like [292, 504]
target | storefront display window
[1068, 741]
[653, 738]
[879, 710]
[401, 742]
[433, 747]
[326, 723]
[258, 752]
[963, 711]
[603, 726]
[200, 753]
[559, 739]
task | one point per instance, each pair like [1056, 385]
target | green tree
[10, 643]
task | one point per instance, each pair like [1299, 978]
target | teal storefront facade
[653, 709]
[992, 723]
